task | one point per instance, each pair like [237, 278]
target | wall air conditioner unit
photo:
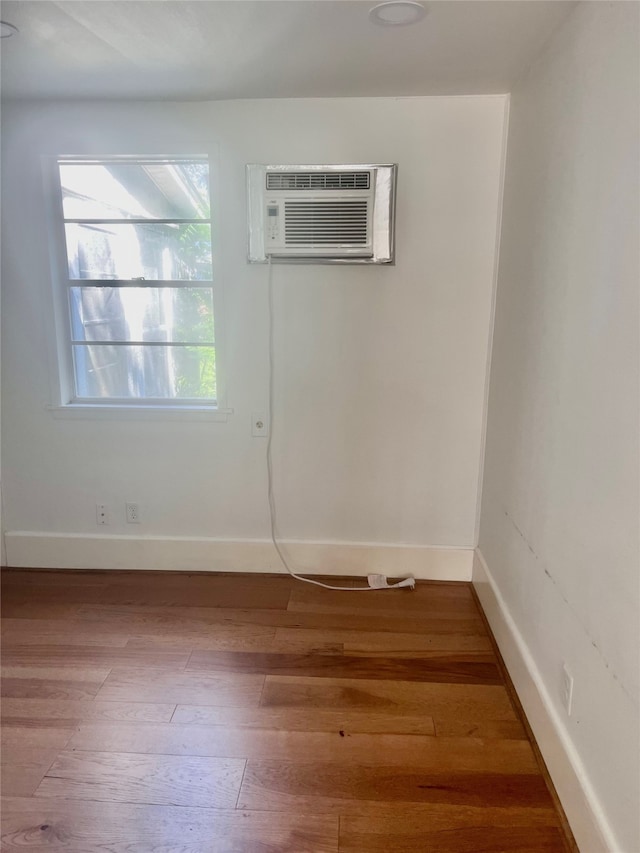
[321, 214]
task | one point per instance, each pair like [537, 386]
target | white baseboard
[89, 551]
[590, 827]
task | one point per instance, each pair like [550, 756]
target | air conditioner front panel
[298, 225]
[323, 214]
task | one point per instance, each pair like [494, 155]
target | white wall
[380, 371]
[559, 525]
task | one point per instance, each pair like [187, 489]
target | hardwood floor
[149, 712]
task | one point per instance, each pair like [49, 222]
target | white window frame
[64, 404]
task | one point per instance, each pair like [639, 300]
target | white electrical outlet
[259, 425]
[567, 689]
[102, 514]
[133, 513]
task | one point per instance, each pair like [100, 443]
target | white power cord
[375, 581]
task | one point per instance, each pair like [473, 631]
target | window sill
[90, 412]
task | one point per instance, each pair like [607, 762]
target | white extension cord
[375, 581]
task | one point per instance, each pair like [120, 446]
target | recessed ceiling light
[397, 13]
[7, 30]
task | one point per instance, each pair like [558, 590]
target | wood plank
[140, 618]
[439, 818]
[425, 590]
[483, 728]
[91, 827]
[36, 711]
[220, 638]
[443, 667]
[297, 640]
[459, 701]
[210, 590]
[38, 608]
[37, 632]
[456, 754]
[25, 682]
[468, 655]
[54, 577]
[325, 787]
[425, 600]
[42, 632]
[264, 594]
[154, 779]
[49, 735]
[71, 655]
[74, 593]
[140, 685]
[411, 644]
[23, 768]
[306, 720]
[358, 835]
[185, 590]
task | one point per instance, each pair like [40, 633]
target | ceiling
[198, 49]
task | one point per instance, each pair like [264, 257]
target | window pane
[156, 252]
[139, 372]
[164, 314]
[129, 189]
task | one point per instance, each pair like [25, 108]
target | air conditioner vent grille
[318, 180]
[313, 222]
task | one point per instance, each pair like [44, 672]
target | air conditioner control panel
[273, 222]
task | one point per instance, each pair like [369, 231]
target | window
[138, 281]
